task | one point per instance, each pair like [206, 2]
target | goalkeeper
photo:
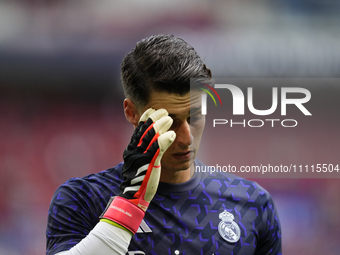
[154, 202]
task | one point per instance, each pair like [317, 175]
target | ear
[131, 112]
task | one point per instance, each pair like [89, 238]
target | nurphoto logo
[238, 103]
[204, 97]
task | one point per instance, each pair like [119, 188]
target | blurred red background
[61, 100]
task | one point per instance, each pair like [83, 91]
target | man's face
[188, 124]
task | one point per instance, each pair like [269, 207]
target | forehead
[174, 103]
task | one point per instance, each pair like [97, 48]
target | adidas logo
[144, 228]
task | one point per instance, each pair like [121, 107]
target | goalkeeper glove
[141, 169]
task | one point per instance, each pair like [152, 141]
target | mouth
[182, 156]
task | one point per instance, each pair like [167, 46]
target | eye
[194, 118]
[175, 123]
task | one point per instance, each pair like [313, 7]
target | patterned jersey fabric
[209, 214]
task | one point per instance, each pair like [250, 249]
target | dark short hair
[162, 63]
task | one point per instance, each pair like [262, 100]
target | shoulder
[76, 206]
[90, 192]
[108, 177]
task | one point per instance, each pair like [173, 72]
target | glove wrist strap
[125, 213]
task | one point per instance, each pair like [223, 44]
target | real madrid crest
[228, 228]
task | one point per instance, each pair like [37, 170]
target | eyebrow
[173, 115]
[192, 110]
[195, 109]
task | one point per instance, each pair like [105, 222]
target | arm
[102, 240]
[141, 172]
[270, 236]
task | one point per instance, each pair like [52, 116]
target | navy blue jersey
[187, 218]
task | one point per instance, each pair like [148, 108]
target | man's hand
[141, 169]
[142, 158]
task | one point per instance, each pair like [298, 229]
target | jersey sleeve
[70, 217]
[270, 232]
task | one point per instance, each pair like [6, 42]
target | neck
[169, 176]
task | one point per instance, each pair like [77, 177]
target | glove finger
[152, 133]
[140, 129]
[146, 114]
[156, 115]
[153, 114]
[147, 120]
[162, 125]
[164, 141]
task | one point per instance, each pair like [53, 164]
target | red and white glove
[141, 170]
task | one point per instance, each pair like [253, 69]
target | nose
[184, 137]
